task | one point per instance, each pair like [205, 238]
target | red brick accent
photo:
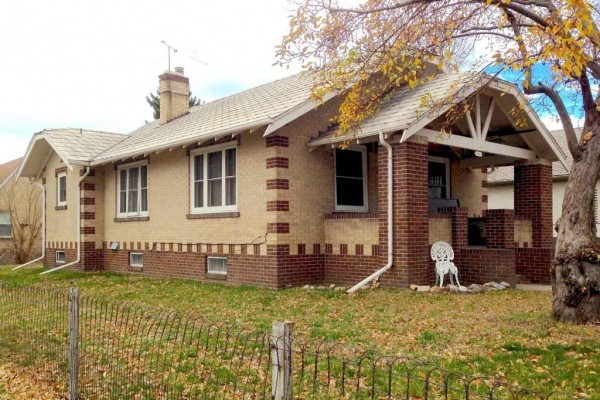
[277, 141]
[316, 248]
[88, 215]
[278, 205]
[92, 172]
[534, 264]
[278, 249]
[60, 170]
[500, 228]
[278, 162]
[88, 186]
[343, 249]
[278, 227]
[328, 248]
[359, 250]
[460, 227]
[484, 183]
[480, 265]
[484, 170]
[484, 198]
[411, 215]
[273, 184]
[88, 201]
[88, 230]
[301, 249]
[256, 249]
[43, 181]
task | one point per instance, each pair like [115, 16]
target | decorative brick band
[43, 181]
[278, 227]
[275, 184]
[278, 205]
[301, 249]
[88, 230]
[278, 141]
[484, 183]
[88, 215]
[278, 162]
[343, 249]
[88, 201]
[60, 170]
[484, 198]
[278, 249]
[88, 186]
[92, 172]
[350, 215]
[359, 250]
[214, 215]
[328, 248]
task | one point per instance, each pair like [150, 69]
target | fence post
[73, 342]
[281, 360]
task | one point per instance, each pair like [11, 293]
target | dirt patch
[20, 384]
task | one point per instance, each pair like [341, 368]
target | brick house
[254, 189]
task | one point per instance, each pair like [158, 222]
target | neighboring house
[24, 200]
[254, 189]
[501, 188]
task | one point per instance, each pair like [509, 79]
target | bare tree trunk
[576, 267]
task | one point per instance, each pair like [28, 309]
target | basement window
[60, 257]
[217, 265]
[136, 259]
[5, 225]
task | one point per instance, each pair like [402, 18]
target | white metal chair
[443, 255]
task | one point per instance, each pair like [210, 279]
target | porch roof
[412, 111]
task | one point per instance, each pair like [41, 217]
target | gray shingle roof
[249, 109]
[506, 174]
[80, 145]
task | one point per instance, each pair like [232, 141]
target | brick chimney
[174, 90]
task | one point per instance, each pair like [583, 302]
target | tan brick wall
[60, 224]
[351, 232]
[440, 229]
[466, 185]
[523, 233]
[169, 201]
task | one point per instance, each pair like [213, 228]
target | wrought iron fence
[99, 349]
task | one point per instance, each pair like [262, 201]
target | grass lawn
[508, 334]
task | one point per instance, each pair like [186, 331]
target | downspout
[43, 228]
[87, 171]
[390, 224]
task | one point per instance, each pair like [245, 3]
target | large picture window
[213, 183]
[351, 180]
[133, 190]
[61, 189]
[5, 225]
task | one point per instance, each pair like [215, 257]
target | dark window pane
[215, 190]
[132, 201]
[5, 231]
[123, 202]
[62, 184]
[348, 163]
[214, 165]
[133, 178]
[230, 191]
[123, 179]
[144, 173]
[350, 192]
[144, 206]
[437, 180]
[198, 194]
[198, 167]
[230, 162]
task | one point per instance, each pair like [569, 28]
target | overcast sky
[87, 64]
[84, 64]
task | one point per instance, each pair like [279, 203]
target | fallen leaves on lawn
[20, 384]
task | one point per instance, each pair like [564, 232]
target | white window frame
[131, 263]
[63, 257]
[446, 162]
[364, 208]
[215, 209]
[9, 224]
[118, 189]
[208, 259]
[60, 203]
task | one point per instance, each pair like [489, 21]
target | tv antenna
[169, 48]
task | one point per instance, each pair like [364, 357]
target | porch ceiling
[499, 128]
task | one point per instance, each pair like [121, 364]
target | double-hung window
[61, 189]
[5, 225]
[213, 180]
[351, 179]
[132, 183]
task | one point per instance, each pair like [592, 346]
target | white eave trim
[296, 112]
[41, 136]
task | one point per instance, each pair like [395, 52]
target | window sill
[232, 214]
[135, 269]
[60, 208]
[131, 219]
[351, 215]
[216, 277]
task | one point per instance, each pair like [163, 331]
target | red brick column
[411, 216]
[500, 228]
[533, 201]
[460, 227]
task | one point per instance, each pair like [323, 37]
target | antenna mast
[169, 48]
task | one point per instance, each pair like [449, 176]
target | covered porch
[439, 186]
